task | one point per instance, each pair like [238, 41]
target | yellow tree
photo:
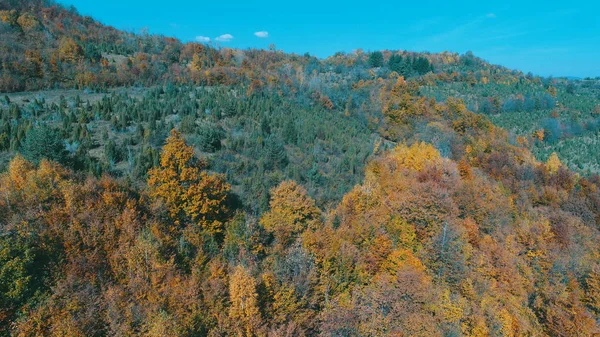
[400, 105]
[592, 291]
[197, 62]
[9, 17]
[244, 311]
[189, 192]
[70, 50]
[553, 163]
[292, 211]
[417, 156]
[28, 22]
[18, 169]
[540, 134]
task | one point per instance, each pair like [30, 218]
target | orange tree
[190, 193]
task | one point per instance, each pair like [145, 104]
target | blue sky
[560, 38]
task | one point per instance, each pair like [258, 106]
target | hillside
[45, 46]
[157, 188]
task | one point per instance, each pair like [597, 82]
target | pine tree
[275, 153]
[376, 59]
[44, 142]
[289, 132]
[396, 63]
[209, 138]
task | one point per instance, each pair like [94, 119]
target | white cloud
[201, 38]
[224, 38]
[491, 16]
[262, 34]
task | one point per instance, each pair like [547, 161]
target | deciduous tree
[291, 212]
[187, 189]
[244, 312]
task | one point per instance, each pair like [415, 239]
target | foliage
[353, 197]
[187, 190]
[44, 142]
[376, 59]
[291, 212]
[210, 137]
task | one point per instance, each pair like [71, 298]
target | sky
[558, 38]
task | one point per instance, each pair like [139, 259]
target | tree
[396, 63]
[44, 142]
[17, 282]
[291, 212]
[9, 17]
[209, 138]
[197, 62]
[92, 52]
[376, 59]
[553, 163]
[112, 152]
[326, 102]
[417, 156]
[28, 22]
[422, 65]
[189, 192]
[275, 153]
[70, 50]
[401, 105]
[592, 290]
[244, 302]
[289, 132]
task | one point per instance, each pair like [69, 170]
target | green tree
[289, 132]
[396, 63]
[422, 65]
[44, 142]
[275, 153]
[209, 138]
[16, 264]
[376, 59]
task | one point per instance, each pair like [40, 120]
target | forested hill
[47, 46]
[154, 188]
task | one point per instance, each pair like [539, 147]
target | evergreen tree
[113, 152]
[265, 126]
[376, 59]
[396, 63]
[289, 132]
[44, 142]
[209, 138]
[275, 153]
[422, 65]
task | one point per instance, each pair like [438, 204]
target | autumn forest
[150, 187]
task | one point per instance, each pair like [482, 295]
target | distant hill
[45, 45]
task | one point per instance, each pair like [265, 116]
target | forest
[150, 187]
